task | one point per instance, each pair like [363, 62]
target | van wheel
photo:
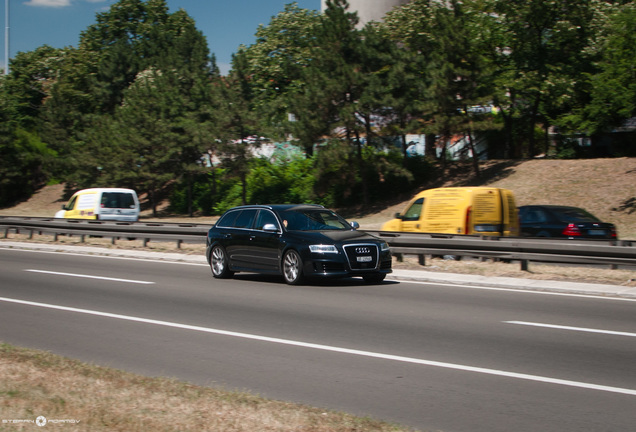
[219, 263]
[293, 268]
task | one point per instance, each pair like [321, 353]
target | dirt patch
[44, 203]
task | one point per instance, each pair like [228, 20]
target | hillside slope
[604, 187]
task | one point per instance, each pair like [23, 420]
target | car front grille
[362, 256]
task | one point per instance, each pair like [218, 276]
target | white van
[102, 204]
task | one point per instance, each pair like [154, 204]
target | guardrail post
[146, 240]
[179, 244]
[6, 232]
[421, 258]
[524, 265]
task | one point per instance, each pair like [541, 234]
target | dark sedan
[296, 241]
[563, 221]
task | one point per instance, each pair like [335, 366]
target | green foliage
[305, 180]
[286, 183]
[274, 64]
[613, 94]
[140, 101]
[203, 194]
[22, 165]
[337, 185]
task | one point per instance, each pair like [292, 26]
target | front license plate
[364, 258]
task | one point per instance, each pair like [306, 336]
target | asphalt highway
[433, 356]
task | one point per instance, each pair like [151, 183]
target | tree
[135, 44]
[396, 87]
[274, 65]
[539, 52]
[23, 165]
[452, 69]
[613, 86]
[238, 121]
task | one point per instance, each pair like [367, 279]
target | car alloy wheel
[219, 264]
[292, 268]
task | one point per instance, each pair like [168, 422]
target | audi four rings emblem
[362, 250]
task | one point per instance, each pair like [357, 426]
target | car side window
[245, 219]
[265, 217]
[227, 220]
[541, 216]
[533, 216]
[414, 212]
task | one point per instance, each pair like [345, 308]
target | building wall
[369, 10]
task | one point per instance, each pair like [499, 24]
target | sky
[58, 23]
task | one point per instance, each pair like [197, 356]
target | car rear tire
[219, 263]
[292, 268]
[374, 279]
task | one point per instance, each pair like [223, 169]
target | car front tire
[292, 268]
[219, 263]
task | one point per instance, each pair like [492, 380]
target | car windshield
[313, 220]
[573, 214]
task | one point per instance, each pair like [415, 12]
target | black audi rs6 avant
[297, 241]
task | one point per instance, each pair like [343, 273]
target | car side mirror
[354, 225]
[270, 228]
[398, 215]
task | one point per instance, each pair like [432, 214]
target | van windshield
[413, 213]
[117, 200]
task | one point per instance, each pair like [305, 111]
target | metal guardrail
[613, 253]
[145, 231]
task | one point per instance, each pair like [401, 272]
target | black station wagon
[296, 241]
[563, 221]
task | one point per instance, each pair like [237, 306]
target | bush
[331, 178]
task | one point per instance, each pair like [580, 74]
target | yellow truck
[459, 210]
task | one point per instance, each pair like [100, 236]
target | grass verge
[75, 396]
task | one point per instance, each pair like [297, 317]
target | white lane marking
[382, 356]
[98, 254]
[519, 290]
[446, 284]
[579, 329]
[89, 276]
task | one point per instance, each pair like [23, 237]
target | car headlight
[384, 246]
[323, 249]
